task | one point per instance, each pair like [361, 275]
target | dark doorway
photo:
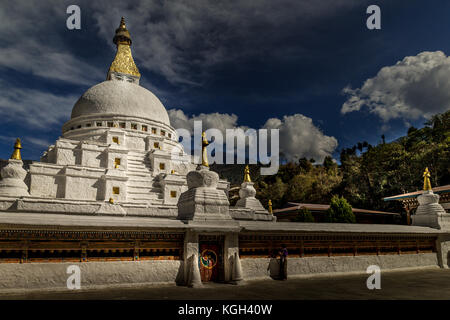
[211, 258]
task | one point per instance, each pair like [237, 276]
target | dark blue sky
[254, 61]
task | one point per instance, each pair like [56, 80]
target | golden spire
[426, 180]
[270, 206]
[247, 174]
[205, 143]
[16, 154]
[123, 62]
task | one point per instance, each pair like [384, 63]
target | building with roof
[410, 203]
[318, 211]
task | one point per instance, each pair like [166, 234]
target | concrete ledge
[53, 276]
[257, 268]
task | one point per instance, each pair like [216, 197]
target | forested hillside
[366, 173]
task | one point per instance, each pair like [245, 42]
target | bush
[340, 211]
[304, 215]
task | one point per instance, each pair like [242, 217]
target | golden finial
[426, 180]
[122, 34]
[111, 200]
[123, 61]
[270, 206]
[172, 171]
[205, 143]
[247, 174]
[16, 154]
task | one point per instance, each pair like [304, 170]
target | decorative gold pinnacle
[123, 61]
[426, 180]
[111, 200]
[16, 154]
[270, 206]
[205, 143]
[247, 174]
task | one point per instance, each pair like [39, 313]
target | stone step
[142, 197]
[139, 201]
[138, 164]
[132, 178]
[140, 173]
[141, 184]
[138, 159]
[140, 169]
[142, 190]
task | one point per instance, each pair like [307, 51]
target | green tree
[340, 211]
[304, 215]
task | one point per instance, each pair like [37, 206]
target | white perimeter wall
[254, 268]
[93, 274]
[53, 276]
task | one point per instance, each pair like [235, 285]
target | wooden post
[84, 252]
[136, 251]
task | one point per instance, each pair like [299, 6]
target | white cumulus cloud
[418, 86]
[220, 121]
[299, 137]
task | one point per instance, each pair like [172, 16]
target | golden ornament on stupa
[426, 180]
[16, 154]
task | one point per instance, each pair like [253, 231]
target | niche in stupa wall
[112, 160]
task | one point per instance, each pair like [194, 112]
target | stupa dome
[120, 98]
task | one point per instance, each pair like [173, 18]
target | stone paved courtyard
[430, 283]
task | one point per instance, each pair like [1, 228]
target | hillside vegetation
[366, 173]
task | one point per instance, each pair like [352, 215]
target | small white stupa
[247, 194]
[430, 213]
[13, 175]
[203, 200]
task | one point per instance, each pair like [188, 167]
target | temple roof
[441, 189]
[293, 206]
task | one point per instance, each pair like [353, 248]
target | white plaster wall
[81, 188]
[43, 186]
[91, 158]
[135, 143]
[257, 267]
[93, 274]
[65, 156]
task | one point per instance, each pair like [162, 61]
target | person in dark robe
[283, 253]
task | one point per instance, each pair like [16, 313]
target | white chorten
[430, 212]
[119, 155]
[118, 145]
